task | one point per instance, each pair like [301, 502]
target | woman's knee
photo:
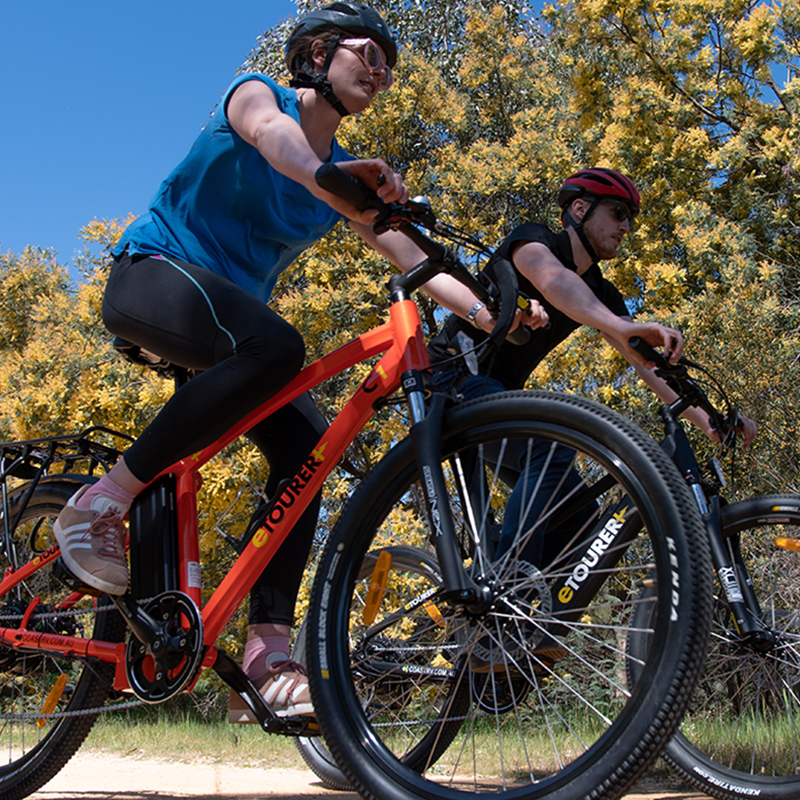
[277, 350]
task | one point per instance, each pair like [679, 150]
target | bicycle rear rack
[30, 460]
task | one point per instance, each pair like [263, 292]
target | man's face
[605, 230]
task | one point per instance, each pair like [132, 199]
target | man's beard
[602, 249]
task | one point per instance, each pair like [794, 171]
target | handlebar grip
[349, 188]
[506, 280]
[650, 353]
[520, 335]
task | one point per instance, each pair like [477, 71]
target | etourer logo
[596, 549]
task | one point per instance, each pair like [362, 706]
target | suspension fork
[733, 576]
[727, 560]
[426, 435]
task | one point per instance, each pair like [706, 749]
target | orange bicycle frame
[402, 342]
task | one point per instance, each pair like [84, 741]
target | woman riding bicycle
[191, 280]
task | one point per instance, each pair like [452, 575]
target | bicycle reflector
[788, 544]
[52, 699]
[377, 586]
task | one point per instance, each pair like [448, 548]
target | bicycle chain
[83, 711]
[73, 612]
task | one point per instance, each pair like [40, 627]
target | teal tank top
[226, 209]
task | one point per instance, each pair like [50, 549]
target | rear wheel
[548, 707]
[404, 573]
[741, 735]
[36, 746]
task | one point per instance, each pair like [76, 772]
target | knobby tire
[741, 735]
[570, 728]
[412, 570]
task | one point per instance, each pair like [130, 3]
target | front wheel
[400, 574]
[741, 735]
[532, 697]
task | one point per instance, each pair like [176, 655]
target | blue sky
[102, 99]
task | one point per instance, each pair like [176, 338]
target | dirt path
[103, 777]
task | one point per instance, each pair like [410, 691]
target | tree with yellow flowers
[493, 105]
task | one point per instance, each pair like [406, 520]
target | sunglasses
[372, 56]
[621, 211]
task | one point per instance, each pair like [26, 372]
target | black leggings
[246, 353]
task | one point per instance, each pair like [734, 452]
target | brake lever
[730, 423]
[416, 212]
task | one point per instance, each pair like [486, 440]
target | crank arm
[270, 722]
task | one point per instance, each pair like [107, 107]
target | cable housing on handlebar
[408, 218]
[693, 393]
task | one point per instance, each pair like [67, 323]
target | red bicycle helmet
[604, 184]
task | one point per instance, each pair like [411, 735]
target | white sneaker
[284, 688]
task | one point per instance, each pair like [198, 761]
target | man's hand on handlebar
[746, 430]
[660, 336]
[533, 317]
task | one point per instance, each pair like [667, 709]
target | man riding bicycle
[561, 272]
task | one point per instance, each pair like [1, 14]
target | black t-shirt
[513, 364]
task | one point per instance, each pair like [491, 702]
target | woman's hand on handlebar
[377, 176]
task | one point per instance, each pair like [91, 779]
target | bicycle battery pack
[154, 540]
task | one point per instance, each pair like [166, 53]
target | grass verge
[182, 730]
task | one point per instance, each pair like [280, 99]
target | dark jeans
[549, 476]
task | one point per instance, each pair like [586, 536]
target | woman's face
[354, 81]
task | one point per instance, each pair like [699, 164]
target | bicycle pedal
[293, 726]
[62, 573]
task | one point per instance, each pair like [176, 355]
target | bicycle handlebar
[349, 188]
[688, 390]
[500, 300]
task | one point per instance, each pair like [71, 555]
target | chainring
[157, 673]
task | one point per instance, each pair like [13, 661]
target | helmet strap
[307, 78]
[578, 227]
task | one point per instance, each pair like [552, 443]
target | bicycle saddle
[138, 355]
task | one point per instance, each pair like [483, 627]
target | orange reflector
[52, 699]
[377, 586]
[788, 544]
[434, 613]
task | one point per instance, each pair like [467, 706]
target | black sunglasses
[621, 211]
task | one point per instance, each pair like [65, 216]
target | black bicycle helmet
[596, 184]
[355, 18]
